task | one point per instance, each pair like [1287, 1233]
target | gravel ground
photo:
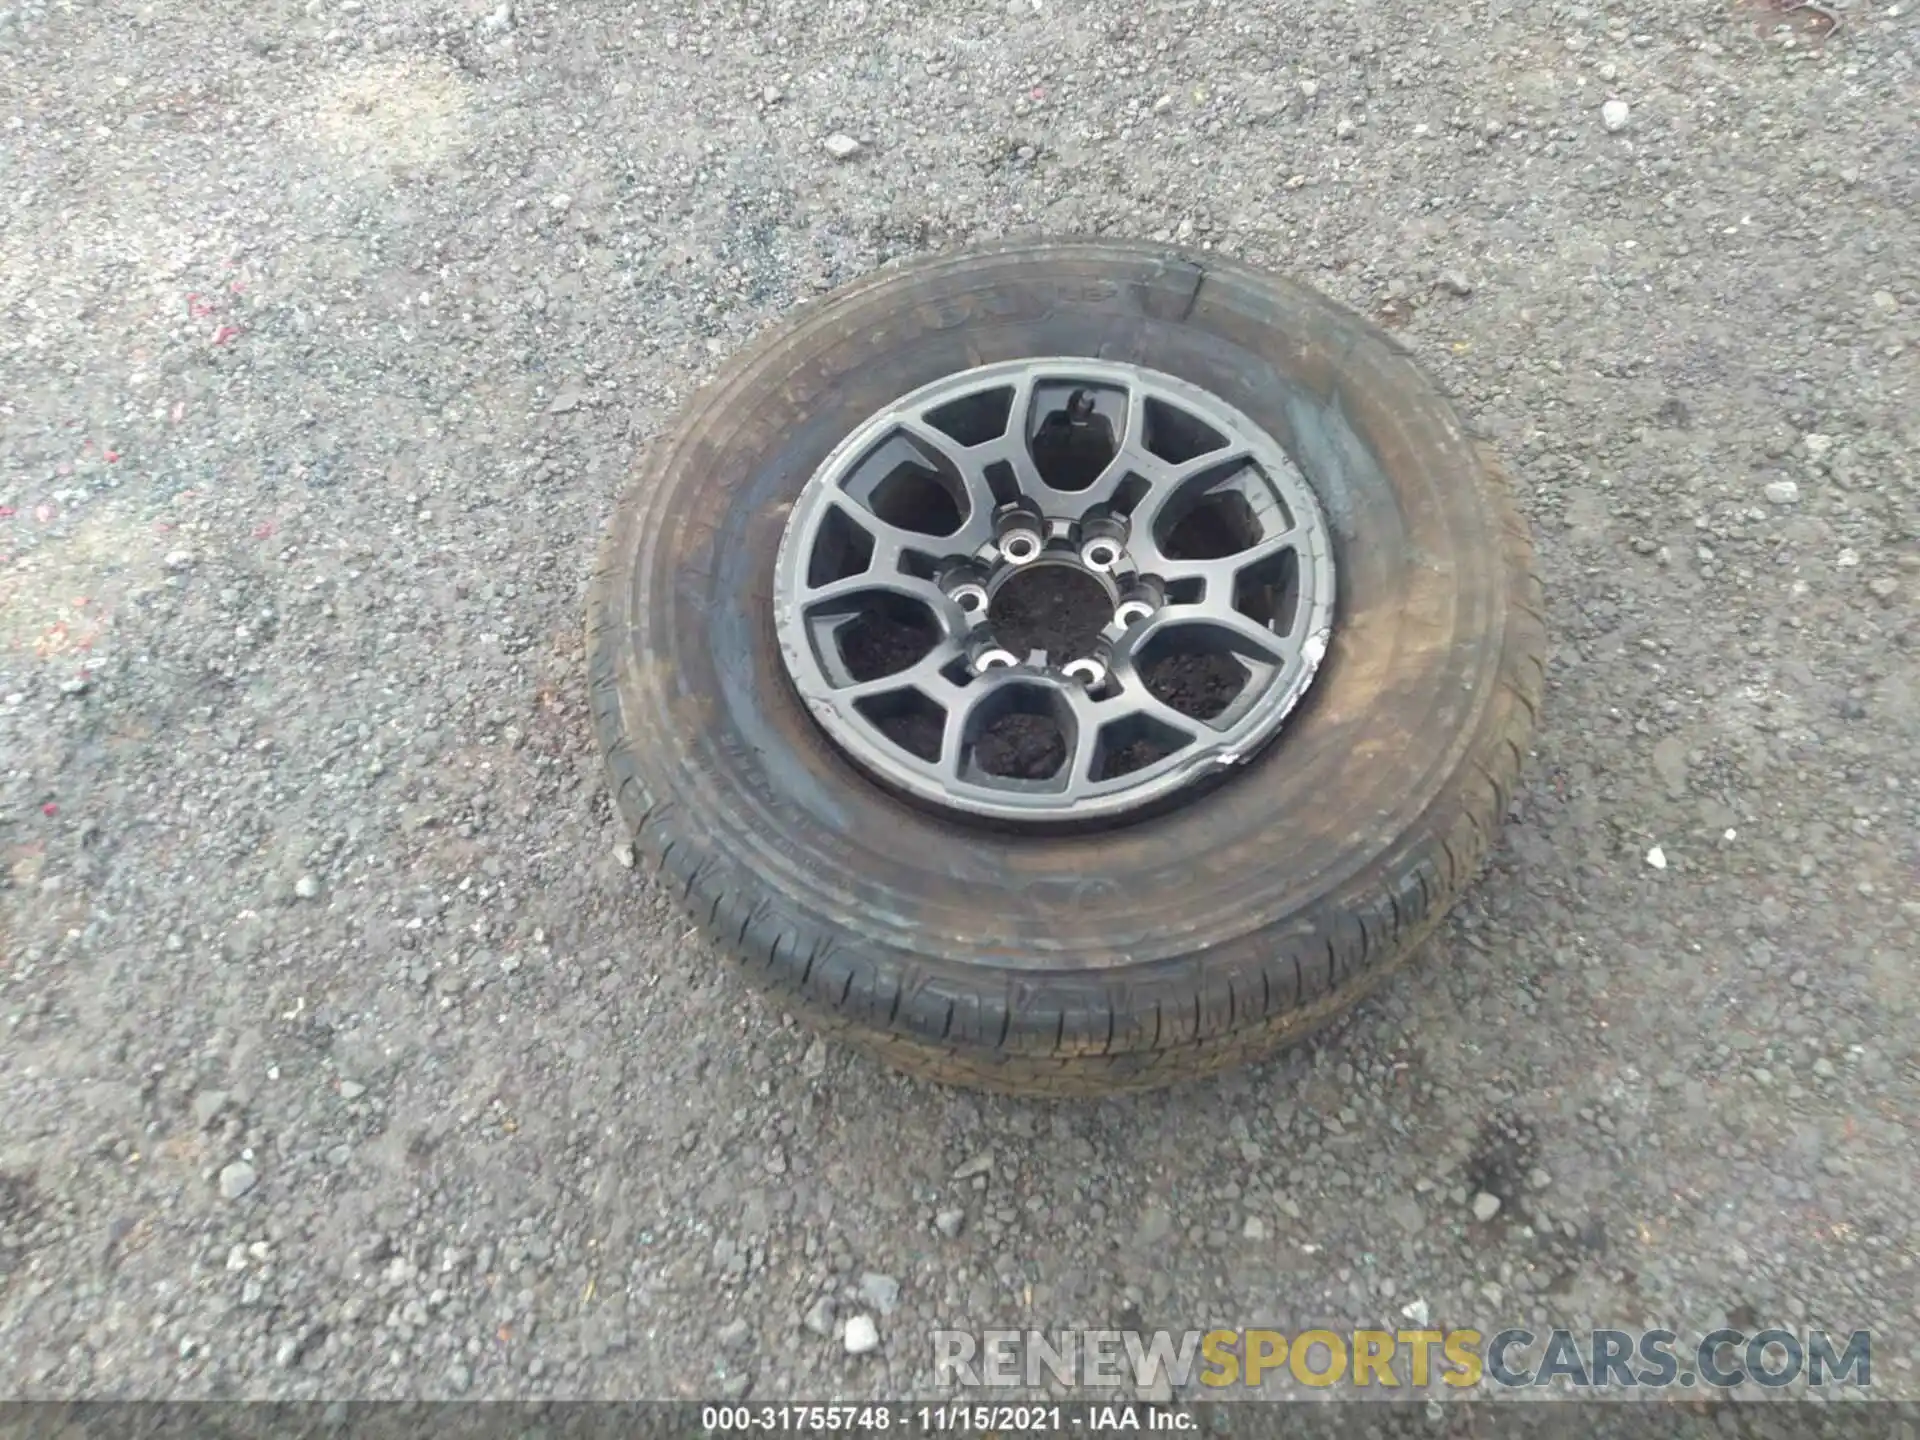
[347, 1053]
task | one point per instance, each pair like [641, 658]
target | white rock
[1416, 1311]
[1485, 1206]
[179, 559]
[863, 1336]
[1255, 1228]
[306, 887]
[1614, 114]
[841, 146]
[1817, 444]
[1657, 858]
[1782, 492]
[237, 1179]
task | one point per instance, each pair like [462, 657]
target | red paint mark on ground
[45, 513]
[264, 529]
[226, 333]
[198, 308]
[49, 809]
[161, 527]
[112, 457]
[6, 512]
[239, 287]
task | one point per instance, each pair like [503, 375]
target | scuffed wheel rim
[908, 571]
[1043, 937]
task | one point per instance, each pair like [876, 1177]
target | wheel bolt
[992, 657]
[1020, 532]
[1088, 670]
[1020, 546]
[971, 598]
[1143, 597]
[1103, 541]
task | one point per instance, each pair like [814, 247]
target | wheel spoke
[922, 675]
[883, 570]
[953, 737]
[1238, 632]
[1165, 482]
[970, 462]
[1086, 735]
[1222, 573]
[1134, 699]
[895, 582]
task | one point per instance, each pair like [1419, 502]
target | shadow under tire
[1149, 950]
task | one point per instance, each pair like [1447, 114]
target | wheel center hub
[1054, 607]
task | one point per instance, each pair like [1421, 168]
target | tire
[1139, 954]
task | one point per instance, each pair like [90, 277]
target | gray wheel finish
[1096, 471]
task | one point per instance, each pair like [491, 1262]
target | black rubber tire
[1148, 952]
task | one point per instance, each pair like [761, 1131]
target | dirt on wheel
[1021, 747]
[1051, 608]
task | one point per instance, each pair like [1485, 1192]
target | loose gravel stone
[882, 1292]
[842, 146]
[1615, 114]
[1485, 1206]
[237, 1179]
[863, 1336]
[819, 1316]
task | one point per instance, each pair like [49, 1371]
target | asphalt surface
[346, 1052]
